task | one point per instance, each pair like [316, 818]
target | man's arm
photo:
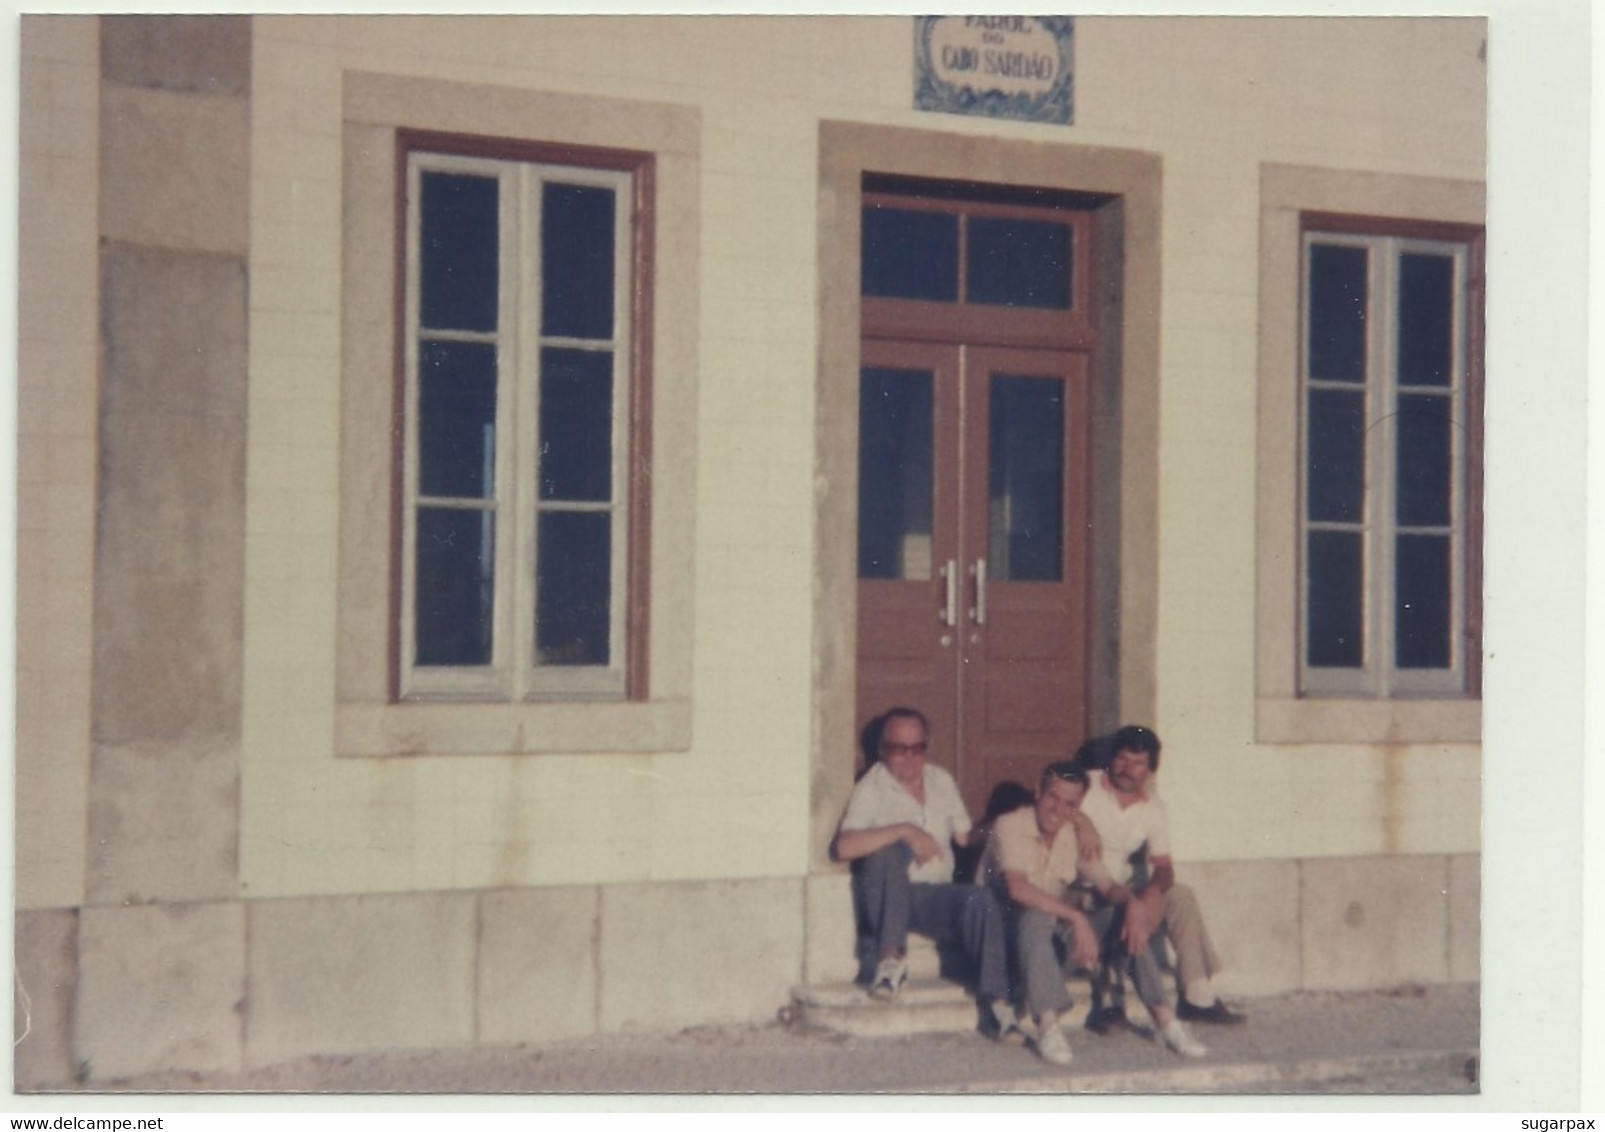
[1144, 909]
[1028, 895]
[1164, 875]
[1087, 836]
[851, 844]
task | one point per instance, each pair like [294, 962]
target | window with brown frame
[522, 392]
[1390, 442]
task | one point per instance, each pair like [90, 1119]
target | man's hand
[924, 845]
[1138, 927]
[1086, 836]
[1084, 949]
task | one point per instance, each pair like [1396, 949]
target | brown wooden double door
[973, 551]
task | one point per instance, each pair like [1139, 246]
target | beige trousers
[1196, 961]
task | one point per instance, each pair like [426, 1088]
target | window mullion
[1381, 468]
[525, 390]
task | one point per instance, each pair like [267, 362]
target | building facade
[477, 477]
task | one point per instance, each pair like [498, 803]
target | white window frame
[515, 671]
[1378, 676]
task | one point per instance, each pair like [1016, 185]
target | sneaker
[1215, 1014]
[890, 975]
[1054, 1048]
[1178, 1040]
[1002, 1025]
[1101, 1022]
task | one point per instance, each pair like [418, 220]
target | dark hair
[1006, 797]
[1064, 772]
[1135, 738]
[1094, 754]
[905, 713]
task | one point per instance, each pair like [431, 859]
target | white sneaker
[1005, 1025]
[1054, 1048]
[1178, 1040]
[890, 975]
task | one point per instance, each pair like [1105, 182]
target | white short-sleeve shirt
[879, 800]
[1017, 846]
[1124, 830]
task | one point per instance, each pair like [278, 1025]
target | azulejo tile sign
[995, 66]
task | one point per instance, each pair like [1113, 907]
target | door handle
[978, 571]
[950, 606]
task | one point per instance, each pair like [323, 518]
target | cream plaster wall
[1338, 94]
[315, 824]
[57, 342]
[1214, 103]
[1396, 96]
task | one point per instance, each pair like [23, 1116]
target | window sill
[427, 729]
[1341, 720]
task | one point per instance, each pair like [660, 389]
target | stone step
[932, 1001]
[926, 1005]
[925, 959]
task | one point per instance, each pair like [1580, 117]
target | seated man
[902, 822]
[1129, 816]
[1033, 861]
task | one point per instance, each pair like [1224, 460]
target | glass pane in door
[1019, 263]
[895, 473]
[1025, 511]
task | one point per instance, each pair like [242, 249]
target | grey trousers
[1043, 947]
[892, 906]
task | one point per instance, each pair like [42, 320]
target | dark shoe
[1100, 1022]
[1216, 1014]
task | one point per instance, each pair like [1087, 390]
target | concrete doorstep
[1408, 1040]
[933, 1000]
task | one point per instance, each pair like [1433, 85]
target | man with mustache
[1033, 861]
[1130, 817]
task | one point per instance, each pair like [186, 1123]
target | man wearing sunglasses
[903, 821]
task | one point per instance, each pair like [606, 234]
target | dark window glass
[1423, 598]
[1019, 263]
[1426, 319]
[1336, 605]
[457, 419]
[573, 586]
[1337, 313]
[456, 586]
[576, 456]
[1026, 479]
[458, 240]
[894, 474]
[1426, 441]
[1335, 492]
[910, 255]
[577, 261]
